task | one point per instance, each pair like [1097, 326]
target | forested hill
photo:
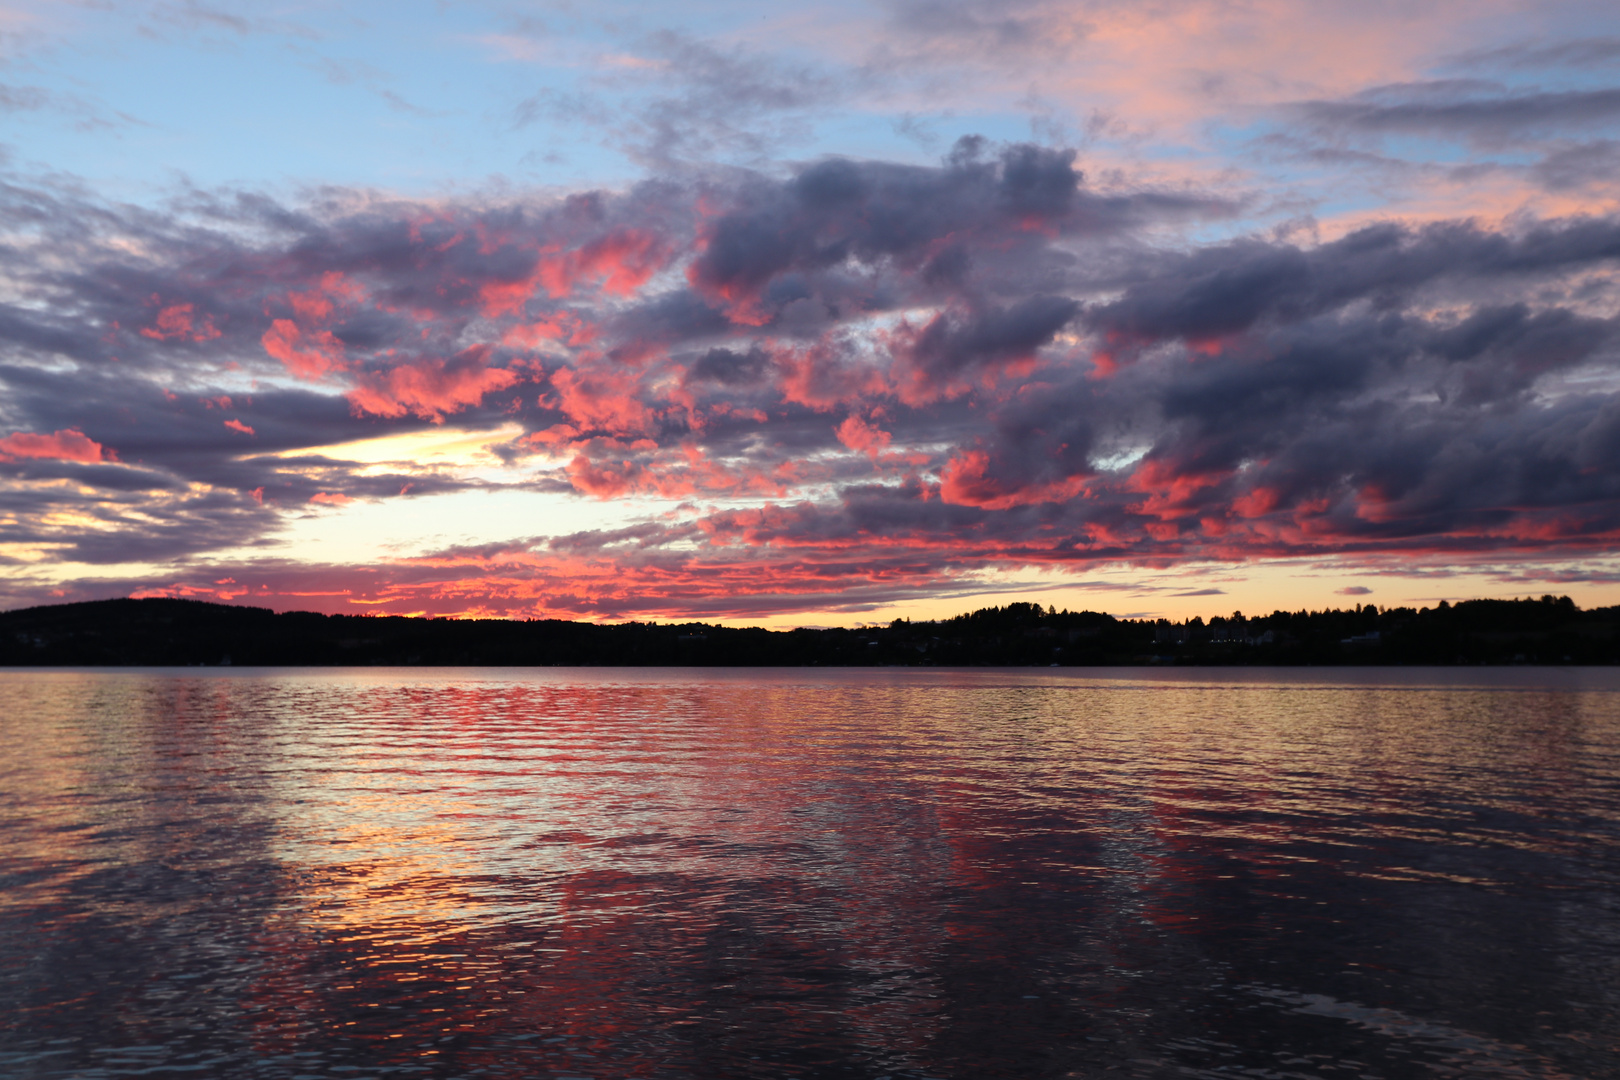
[162, 632]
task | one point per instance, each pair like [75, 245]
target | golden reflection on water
[690, 872]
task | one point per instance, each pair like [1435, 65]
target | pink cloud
[859, 435]
[619, 263]
[319, 302]
[308, 354]
[67, 445]
[608, 469]
[431, 388]
[309, 350]
[622, 261]
[177, 323]
[967, 480]
[563, 327]
[606, 401]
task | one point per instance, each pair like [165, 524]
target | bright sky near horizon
[818, 314]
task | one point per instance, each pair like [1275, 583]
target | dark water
[810, 874]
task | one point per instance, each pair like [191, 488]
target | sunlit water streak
[664, 873]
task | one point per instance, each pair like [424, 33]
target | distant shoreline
[159, 632]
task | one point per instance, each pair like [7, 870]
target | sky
[815, 315]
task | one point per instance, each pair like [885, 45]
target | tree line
[165, 632]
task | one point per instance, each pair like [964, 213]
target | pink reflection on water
[662, 874]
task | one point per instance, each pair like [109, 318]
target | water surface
[869, 873]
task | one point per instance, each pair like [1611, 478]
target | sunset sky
[811, 314]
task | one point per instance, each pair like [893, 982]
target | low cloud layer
[838, 385]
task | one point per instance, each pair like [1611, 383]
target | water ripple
[817, 874]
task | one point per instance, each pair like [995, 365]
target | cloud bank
[833, 386]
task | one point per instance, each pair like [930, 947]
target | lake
[810, 873]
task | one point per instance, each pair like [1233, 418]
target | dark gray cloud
[730, 368]
[1232, 288]
[1557, 135]
[1410, 111]
[936, 31]
[1578, 52]
[947, 345]
[1485, 114]
[870, 234]
[1577, 165]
